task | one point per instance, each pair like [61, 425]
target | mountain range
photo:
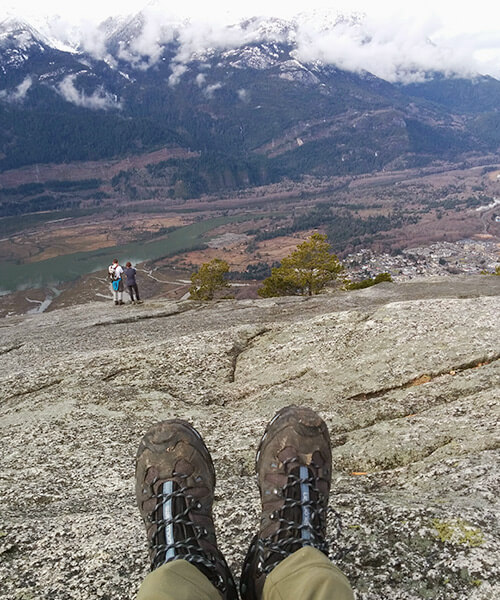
[250, 109]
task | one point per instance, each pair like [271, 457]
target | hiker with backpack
[131, 284]
[115, 274]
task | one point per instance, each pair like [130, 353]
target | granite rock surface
[407, 377]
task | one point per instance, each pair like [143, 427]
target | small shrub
[359, 285]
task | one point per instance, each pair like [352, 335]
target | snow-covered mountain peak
[42, 33]
[326, 19]
[269, 28]
[16, 31]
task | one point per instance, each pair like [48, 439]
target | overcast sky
[395, 39]
[480, 15]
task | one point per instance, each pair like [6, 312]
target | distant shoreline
[68, 267]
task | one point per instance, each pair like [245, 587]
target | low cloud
[210, 90]
[156, 30]
[93, 41]
[18, 94]
[178, 71]
[402, 48]
[195, 39]
[244, 95]
[397, 50]
[396, 47]
[200, 79]
[71, 37]
[99, 100]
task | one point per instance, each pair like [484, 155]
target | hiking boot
[175, 480]
[293, 467]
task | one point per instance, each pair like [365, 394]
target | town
[439, 259]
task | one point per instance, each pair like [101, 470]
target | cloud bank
[18, 94]
[99, 100]
[398, 49]
[405, 50]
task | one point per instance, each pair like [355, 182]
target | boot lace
[176, 535]
[301, 519]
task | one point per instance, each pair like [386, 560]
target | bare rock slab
[407, 377]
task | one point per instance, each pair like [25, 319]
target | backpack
[112, 275]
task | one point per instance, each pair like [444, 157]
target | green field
[72, 266]
[18, 223]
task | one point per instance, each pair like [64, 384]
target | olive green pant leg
[307, 574]
[177, 580]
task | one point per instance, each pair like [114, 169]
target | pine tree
[305, 272]
[209, 279]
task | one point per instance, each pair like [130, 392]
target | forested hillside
[254, 114]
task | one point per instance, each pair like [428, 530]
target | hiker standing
[115, 273]
[131, 283]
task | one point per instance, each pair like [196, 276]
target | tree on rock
[306, 271]
[209, 279]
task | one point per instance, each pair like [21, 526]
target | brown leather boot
[293, 474]
[175, 482]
